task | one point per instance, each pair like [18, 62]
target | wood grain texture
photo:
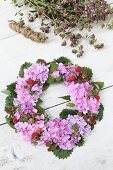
[15, 154]
[97, 151]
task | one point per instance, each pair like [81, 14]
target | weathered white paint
[97, 153]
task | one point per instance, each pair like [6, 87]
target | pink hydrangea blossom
[62, 68]
[60, 132]
[55, 74]
[81, 96]
[28, 94]
[26, 129]
[37, 71]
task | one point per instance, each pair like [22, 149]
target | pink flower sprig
[29, 87]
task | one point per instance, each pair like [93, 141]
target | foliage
[62, 154]
[87, 72]
[9, 103]
[100, 114]
[39, 108]
[63, 60]
[24, 66]
[9, 121]
[81, 142]
[65, 112]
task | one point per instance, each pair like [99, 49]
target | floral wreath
[27, 117]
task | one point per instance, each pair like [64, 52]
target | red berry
[38, 130]
[34, 134]
[97, 97]
[31, 82]
[78, 68]
[14, 120]
[72, 78]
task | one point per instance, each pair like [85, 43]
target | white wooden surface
[97, 153]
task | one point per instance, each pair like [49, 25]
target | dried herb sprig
[64, 16]
[27, 31]
[93, 41]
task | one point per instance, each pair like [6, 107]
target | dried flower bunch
[27, 31]
[27, 117]
[64, 16]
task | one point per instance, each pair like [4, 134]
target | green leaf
[99, 85]
[46, 86]
[53, 66]
[40, 61]
[95, 92]
[81, 142]
[8, 103]
[65, 112]
[40, 100]
[63, 60]
[100, 114]
[65, 97]
[86, 70]
[92, 127]
[39, 108]
[9, 121]
[5, 91]
[70, 104]
[24, 66]
[11, 88]
[50, 80]
[62, 154]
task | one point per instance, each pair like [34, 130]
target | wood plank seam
[61, 103]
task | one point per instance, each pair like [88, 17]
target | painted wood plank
[97, 151]
[7, 13]
[16, 50]
[9, 9]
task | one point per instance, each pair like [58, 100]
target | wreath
[27, 117]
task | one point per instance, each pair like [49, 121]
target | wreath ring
[26, 116]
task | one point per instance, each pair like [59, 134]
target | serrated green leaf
[99, 85]
[24, 66]
[40, 61]
[65, 97]
[63, 60]
[39, 108]
[65, 112]
[100, 114]
[62, 154]
[81, 142]
[11, 88]
[8, 102]
[53, 66]
[86, 70]
[5, 91]
[9, 121]
[70, 104]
